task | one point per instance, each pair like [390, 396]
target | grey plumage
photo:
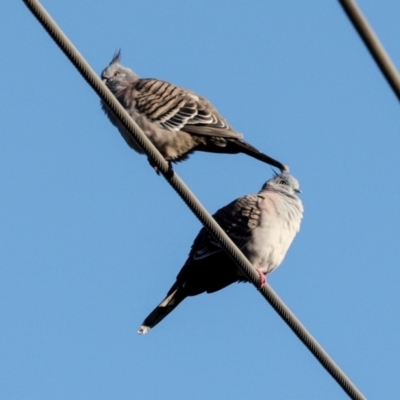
[177, 121]
[262, 225]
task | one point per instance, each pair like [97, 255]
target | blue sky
[91, 238]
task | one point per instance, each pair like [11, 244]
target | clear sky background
[91, 238]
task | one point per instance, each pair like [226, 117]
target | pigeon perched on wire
[177, 121]
[262, 225]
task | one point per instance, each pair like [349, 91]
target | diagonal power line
[191, 201]
[373, 44]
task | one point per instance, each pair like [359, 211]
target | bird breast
[279, 222]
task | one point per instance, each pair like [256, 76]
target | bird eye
[282, 182]
[116, 73]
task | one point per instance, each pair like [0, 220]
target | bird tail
[246, 148]
[174, 297]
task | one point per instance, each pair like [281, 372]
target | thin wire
[373, 44]
[188, 197]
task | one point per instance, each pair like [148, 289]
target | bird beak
[297, 190]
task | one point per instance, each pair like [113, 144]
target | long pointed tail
[174, 297]
[246, 148]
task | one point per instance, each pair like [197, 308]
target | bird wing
[237, 219]
[174, 109]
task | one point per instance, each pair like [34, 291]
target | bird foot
[168, 174]
[263, 279]
[154, 166]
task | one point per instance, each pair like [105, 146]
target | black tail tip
[285, 168]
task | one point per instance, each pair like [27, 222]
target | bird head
[283, 182]
[116, 74]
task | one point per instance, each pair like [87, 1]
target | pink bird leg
[263, 279]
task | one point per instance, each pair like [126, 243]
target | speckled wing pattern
[174, 109]
[237, 219]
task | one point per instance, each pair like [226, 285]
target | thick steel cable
[373, 44]
[180, 187]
